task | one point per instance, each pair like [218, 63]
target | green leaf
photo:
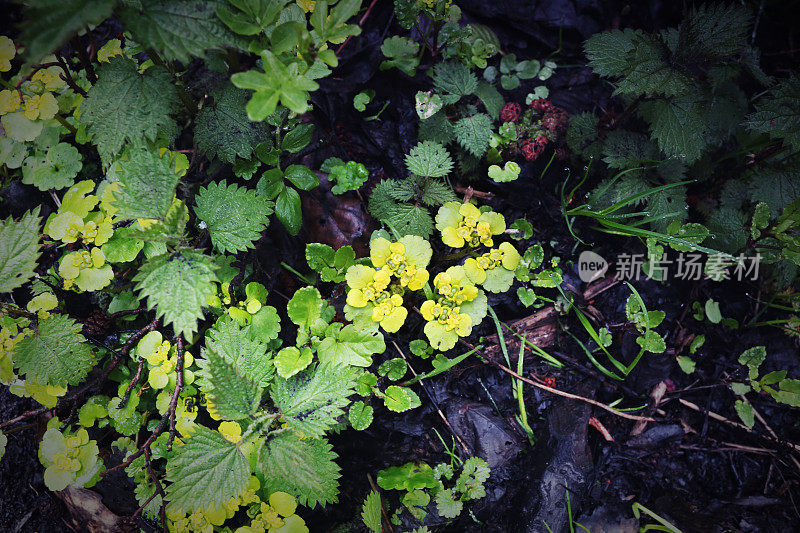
[753, 357]
[686, 364]
[608, 51]
[360, 415]
[206, 471]
[52, 22]
[292, 360]
[121, 248]
[303, 468]
[410, 476]
[447, 505]
[652, 342]
[298, 138]
[740, 388]
[127, 106]
[429, 159]
[789, 393]
[527, 296]
[302, 177]
[223, 130]
[712, 311]
[454, 79]
[177, 285]
[778, 113]
[713, 31]
[678, 125]
[312, 402]
[148, 184]
[745, 412]
[235, 216]
[55, 354]
[400, 52]
[289, 211]
[19, 249]
[371, 512]
[57, 170]
[491, 98]
[234, 394]
[400, 399]
[177, 29]
[473, 133]
[436, 193]
[393, 369]
[349, 346]
[409, 219]
[305, 307]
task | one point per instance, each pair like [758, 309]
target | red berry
[531, 150]
[542, 105]
[511, 112]
[555, 120]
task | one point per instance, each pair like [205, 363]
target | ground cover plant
[421, 265]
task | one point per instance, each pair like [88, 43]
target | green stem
[298, 274]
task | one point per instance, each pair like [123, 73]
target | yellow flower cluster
[495, 268]
[162, 360]
[376, 294]
[446, 314]
[68, 459]
[75, 221]
[10, 335]
[465, 224]
[277, 516]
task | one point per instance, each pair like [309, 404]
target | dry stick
[569, 395]
[438, 410]
[173, 403]
[159, 489]
[383, 510]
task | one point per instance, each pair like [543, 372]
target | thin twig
[148, 458]
[132, 384]
[601, 405]
[173, 403]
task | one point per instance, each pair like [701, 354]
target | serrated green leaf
[652, 342]
[678, 125]
[148, 184]
[608, 51]
[206, 471]
[303, 468]
[56, 354]
[429, 159]
[491, 98]
[400, 399]
[223, 130]
[177, 285]
[455, 79]
[400, 52]
[713, 31]
[371, 512]
[234, 394]
[408, 219]
[177, 29]
[778, 113]
[393, 369]
[127, 106]
[19, 249]
[235, 216]
[437, 193]
[52, 22]
[312, 402]
[473, 133]
[305, 307]
[292, 360]
[447, 505]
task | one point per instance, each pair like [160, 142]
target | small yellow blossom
[465, 224]
[7, 53]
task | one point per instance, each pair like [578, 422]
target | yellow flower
[112, 48]
[405, 259]
[455, 309]
[42, 304]
[366, 284]
[49, 77]
[465, 224]
[86, 269]
[494, 269]
[9, 101]
[7, 53]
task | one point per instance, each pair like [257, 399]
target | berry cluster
[528, 132]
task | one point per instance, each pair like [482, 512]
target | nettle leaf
[56, 354]
[127, 106]
[223, 130]
[436, 193]
[491, 98]
[235, 215]
[678, 125]
[429, 159]
[778, 113]
[19, 249]
[454, 79]
[409, 219]
[207, 471]
[250, 356]
[177, 29]
[473, 133]
[608, 51]
[312, 402]
[713, 31]
[371, 512]
[349, 346]
[148, 184]
[177, 285]
[50, 23]
[360, 415]
[234, 395]
[303, 468]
